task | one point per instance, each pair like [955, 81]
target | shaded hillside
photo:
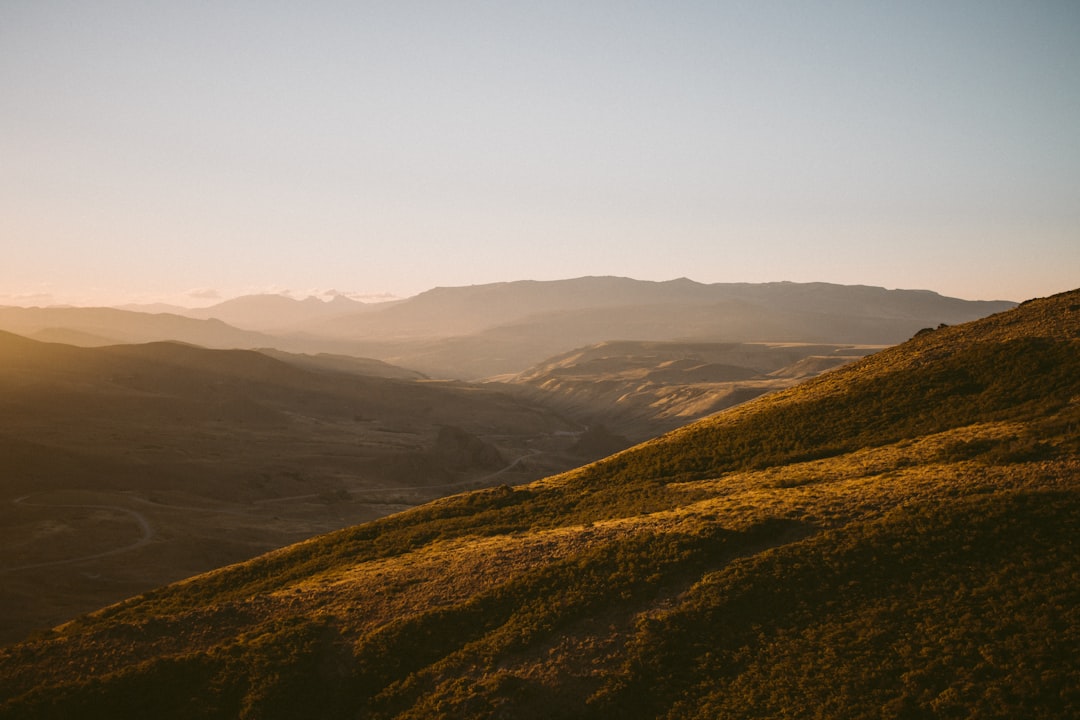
[99, 326]
[328, 362]
[893, 539]
[163, 460]
[644, 388]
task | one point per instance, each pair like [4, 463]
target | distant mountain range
[486, 330]
[154, 409]
[278, 313]
[895, 538]
[91, 327]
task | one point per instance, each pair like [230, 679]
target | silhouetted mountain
[485, 330]
[278, 313]
[446, 312]
[896, 538]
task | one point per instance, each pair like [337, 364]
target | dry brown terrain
[894, 539]
[640, 389]
[125, 467]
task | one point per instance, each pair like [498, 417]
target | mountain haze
[486, 330]
[278, 313]
[480, 331]
[466, 310]
[896, 538]
[348, 364]
[109, 326]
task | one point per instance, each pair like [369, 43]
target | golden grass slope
[893, 539]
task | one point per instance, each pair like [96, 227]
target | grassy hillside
[893, 539]
[641, 388]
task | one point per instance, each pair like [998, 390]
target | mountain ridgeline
[480, 331]
[641, 389]
[893, 539]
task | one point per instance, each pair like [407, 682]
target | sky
[188, 152]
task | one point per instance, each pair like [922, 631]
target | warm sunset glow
[180, 153]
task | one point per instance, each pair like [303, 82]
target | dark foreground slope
[893, 539]
[127, 467]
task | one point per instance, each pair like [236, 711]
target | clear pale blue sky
[182, 150]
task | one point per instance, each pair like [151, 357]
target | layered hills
[279, 313]
[479, 331]
[486, 330]
[91, 327]
[128, 466]
[895, 538]
[642, 388]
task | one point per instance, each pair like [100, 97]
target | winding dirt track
[148, 532]
[140, 519]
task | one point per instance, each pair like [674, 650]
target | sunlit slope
[893, 539]
[643, 388]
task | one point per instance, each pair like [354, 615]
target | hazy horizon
[188, 155]
[200, 301]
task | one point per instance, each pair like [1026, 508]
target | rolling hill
[897, 538]
[108, 326]
[162, 460]
[643, 388]
[348, 364]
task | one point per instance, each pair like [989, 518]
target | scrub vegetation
[896, 538]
